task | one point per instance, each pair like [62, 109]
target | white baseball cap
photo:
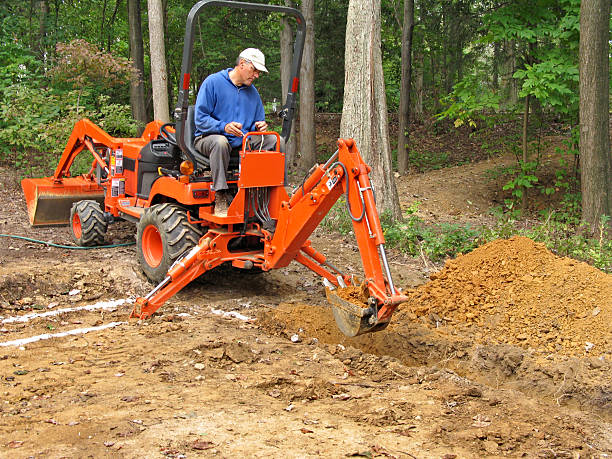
[256, 57]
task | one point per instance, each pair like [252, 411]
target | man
[227, 107]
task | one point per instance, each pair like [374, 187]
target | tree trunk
[109, 30]
[525, 146]
[286, 49]
[364, 114]
[42, 29]
[137, 97]
[595, 161]
[495, 69]
[419, 85]
[403, 137]
[159, 75]
[512, 68]
[307, 131]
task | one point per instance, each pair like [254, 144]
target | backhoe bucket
[49, 202]
[351, 319]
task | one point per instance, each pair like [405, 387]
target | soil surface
[503, 352]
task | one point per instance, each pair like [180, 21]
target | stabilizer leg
[181, 273]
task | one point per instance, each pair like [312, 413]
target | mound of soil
[518, 292]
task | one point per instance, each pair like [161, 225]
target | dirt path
[253, 366]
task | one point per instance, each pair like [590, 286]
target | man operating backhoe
[227, 107]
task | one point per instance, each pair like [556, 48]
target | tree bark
[159, 75]
[286, 49]
[595, 161]
[525, 146]
[403, 138]
[137, 97]
[42, 28]
[419, 85]
[364, 114]
[109, 29]
[307, 131]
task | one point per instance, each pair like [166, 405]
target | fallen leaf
[481, 421]
[15, 444]
[306, 431]
[383, 452]
[202, 445]
[360, 454]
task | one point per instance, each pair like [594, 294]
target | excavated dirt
[503, 352]
[517, 292]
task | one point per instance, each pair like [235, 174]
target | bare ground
[253, 366]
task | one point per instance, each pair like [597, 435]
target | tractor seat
[202, 161]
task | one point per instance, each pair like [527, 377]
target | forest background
[475, 66]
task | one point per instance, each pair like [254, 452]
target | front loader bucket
[351, 319]
[49, 202]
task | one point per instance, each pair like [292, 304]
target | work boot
[222, 202]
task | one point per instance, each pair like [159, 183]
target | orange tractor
[162, 183]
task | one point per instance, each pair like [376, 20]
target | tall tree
[286, 50]
[595, 162]
[137, 97]
[403, 138]
[307, 131]
[42, 29]
[159, 75]
[364, 114]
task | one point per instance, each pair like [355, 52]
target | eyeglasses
[254, 70]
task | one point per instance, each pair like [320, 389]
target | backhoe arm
[347, 173]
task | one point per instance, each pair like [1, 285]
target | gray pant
[217, 149]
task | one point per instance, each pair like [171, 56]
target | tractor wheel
[87, 223]
[163, 235]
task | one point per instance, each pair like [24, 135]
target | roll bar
[180, 113]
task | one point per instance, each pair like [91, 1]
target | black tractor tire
[87, 223]
[163, 235]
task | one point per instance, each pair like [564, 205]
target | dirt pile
[517, 292]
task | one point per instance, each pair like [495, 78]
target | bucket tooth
[351, 319]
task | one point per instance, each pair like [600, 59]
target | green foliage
[562, 232]
[470, 100]
[116, 119]
[412, 236]
[524, 178]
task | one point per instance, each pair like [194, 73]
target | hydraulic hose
[72, 247]
[348, 204]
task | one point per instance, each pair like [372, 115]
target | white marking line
[234, 314]
[55, 312]
[76, 331]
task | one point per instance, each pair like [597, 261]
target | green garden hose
[73, 247]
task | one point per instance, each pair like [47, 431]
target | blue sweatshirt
[220, 102]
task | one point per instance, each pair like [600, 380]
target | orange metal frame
[296, 218]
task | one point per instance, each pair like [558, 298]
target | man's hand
[234, 128]
[261, 126]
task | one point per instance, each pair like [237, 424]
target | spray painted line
[76, 331]
[234, 314]
[91, 307]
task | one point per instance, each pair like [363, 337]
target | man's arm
[259, 120]
[205, 121]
